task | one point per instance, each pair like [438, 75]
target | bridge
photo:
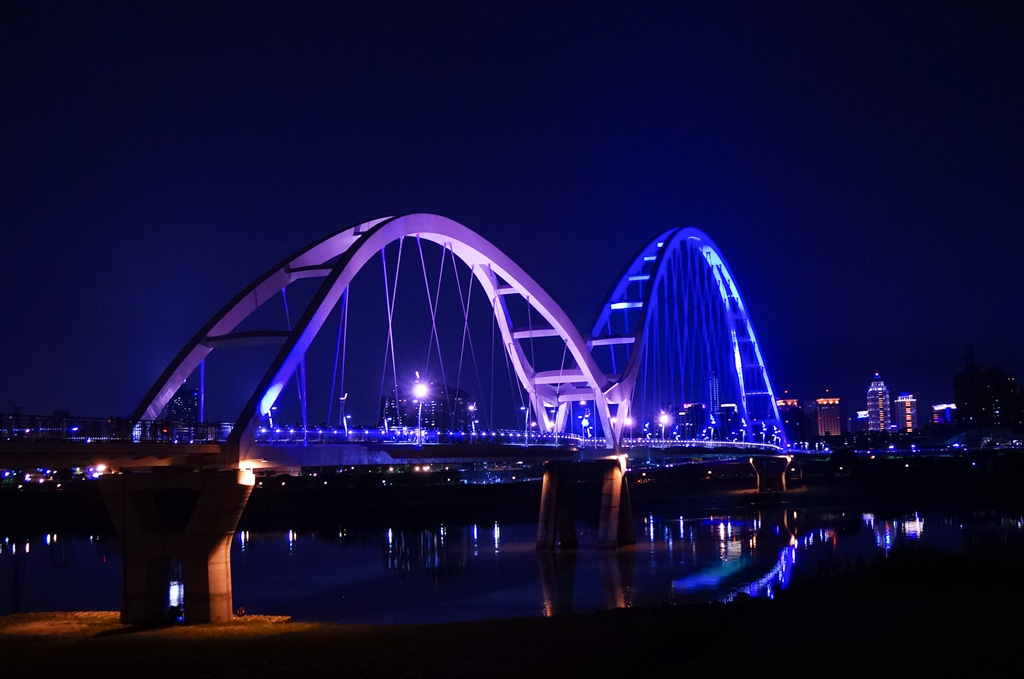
[670, 363]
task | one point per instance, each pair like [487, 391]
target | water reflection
[731, 555]
[467, 572]
[557, 577]
[58, 572]
[430, 550]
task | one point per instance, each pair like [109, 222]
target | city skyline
[855, 166]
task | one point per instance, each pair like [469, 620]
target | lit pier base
[556, 529]
[187, 516]
[771, 473]
[615, 524]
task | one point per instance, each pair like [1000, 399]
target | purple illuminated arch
[351, 249]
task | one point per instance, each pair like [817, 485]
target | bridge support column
[615, 524]
[188, 516]
[556, 527]
[771, 473]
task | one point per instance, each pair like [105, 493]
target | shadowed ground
[915, 611]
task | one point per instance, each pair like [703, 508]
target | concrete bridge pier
[556, 529]
[771, 472]
[615, 524]
[176, 515]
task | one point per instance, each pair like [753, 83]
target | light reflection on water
[471, 572]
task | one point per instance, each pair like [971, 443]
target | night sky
[860, 166]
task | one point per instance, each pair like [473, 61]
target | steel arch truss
[649, 298]
[337, 258]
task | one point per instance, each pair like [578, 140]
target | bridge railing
[116, 429]
[284, 435]
[110, 429]
[657, 443]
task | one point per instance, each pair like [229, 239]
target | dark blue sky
[859, 165]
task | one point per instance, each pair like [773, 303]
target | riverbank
[331, 501]
[915, 611]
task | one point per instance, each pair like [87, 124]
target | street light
[526, 424]
[341, 411]
[420, 391]
[663, 420]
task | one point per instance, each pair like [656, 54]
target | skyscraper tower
[828, 416]
[878, 406]
[906, 412]
[184, 407]
[714, 399]
[986, 398]
[792, 414]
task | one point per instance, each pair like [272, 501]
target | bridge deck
[356, 454]
[30, 454]
[119, 454]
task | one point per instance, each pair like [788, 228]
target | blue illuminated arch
[624, 323]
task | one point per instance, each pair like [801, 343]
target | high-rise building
[183, 408]
[729, 424]
[792, 415]
[859, 422]
[828, 416]
[878, 406]
[691, 421]
[944, 413]
[444, 408]
[986, 398]
[714, 398]
[906, 412]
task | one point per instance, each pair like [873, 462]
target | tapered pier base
[771, 473]
[556, 529]
[188, 517]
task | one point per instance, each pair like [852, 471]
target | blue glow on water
[402, 574]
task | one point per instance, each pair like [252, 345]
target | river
[445, 573]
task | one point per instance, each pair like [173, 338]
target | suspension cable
[432, 306]
[300, 375]
[389, 302]
[467, 333]
[344, 351]
[337, 351]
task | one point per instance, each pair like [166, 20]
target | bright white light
[420, 390]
